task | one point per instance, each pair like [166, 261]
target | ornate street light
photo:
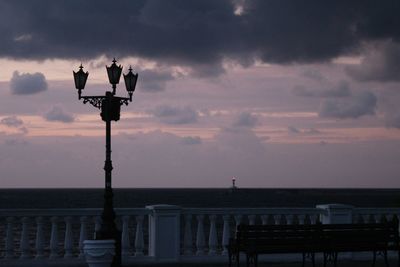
[80, 78]
[110, 106]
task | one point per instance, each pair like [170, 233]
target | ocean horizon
[46, 198]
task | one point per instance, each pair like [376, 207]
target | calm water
[93, 198]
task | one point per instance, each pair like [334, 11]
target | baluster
[212, 239]
[360, 219]
[10, 238]
[252, 219]
[365, 218]
[307, 219]
[289, 219]
[383, 219]
[238, 220]
[39, 238]
[54, 238]
[301, 218]
[271, 219]
[139, 242]
[295, 219]
[188, 240]
[276, 219]
[314, 218]
[264, 219]
[283, 220]
[24, 244]
[200, 241]
[82, 236]
[68, 241]
[97, 225]
[125, 243]
[371, 218]
[225, 234]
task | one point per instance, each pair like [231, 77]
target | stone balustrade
[192, 233]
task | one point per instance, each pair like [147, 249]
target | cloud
[340, 90]
[293, 130]
[314, 75]
[198, 34]
[27, 83]
[354, 107]
[57, 113]
[393, 121]
[191, 140]
[381, 63]
[154, 81]
[175, 115]
[245, 119]
[12, 121]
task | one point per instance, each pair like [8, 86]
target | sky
[278, 94]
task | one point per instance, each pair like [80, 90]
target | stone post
[164, 232]
[336, 213]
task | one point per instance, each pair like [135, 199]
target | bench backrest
[341, 236]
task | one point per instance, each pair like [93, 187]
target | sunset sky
[275, 93]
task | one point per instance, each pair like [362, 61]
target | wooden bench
[329, 239]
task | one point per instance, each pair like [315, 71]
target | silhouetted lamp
[80, 78]
[110, 106]
[114, 74]
[130, 82]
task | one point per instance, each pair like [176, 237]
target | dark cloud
[355, 106]
[245, 119]
[198, 34]
[381, 63]
[340, 90]
[27, 83]
[12, 121]
[175, 115]
[57, 113]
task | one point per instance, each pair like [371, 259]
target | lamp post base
[99, 253]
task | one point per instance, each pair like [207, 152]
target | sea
[197, 197]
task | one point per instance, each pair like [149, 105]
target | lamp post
[110, 106]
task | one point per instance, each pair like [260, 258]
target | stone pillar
[139, 242]
[9, 246]
[200, 241]
[24, 244]
[82, 236]
[39, 238]
[125, 243]
[212, 239]
[54, 238]
[226, 234]
[252, 219]
[336, 213]
[164, 232]
[68, 241]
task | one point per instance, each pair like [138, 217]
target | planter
[99, 253]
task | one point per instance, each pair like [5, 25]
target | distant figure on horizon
[233, 187]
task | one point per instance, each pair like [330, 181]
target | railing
[219, 224]
[201, 233]
[55, 233]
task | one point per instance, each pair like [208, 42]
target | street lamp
[110, 106]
